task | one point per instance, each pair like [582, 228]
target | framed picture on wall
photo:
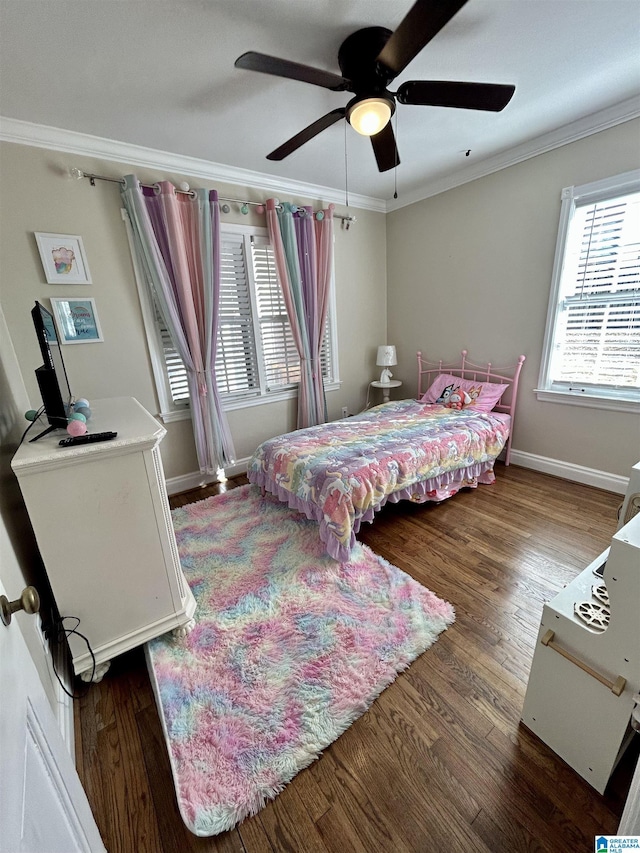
[77, 321]
[63, 258]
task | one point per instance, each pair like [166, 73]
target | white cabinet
[102, 521]
[583, 681]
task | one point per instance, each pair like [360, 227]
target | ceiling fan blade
[308, 133]
[423, 21]
[385, 149]
[467, 96]
[252, 61]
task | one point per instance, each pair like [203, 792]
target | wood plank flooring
[439, 762]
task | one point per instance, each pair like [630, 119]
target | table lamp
[386, 358]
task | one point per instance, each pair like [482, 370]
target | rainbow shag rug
[290, 647]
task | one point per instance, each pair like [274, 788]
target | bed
[340, 474]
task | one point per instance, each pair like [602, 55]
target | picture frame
[77, 320]
[63, 258]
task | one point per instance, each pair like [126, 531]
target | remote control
[88, 438]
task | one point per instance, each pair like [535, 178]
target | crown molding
[594, 123]
[84, 144]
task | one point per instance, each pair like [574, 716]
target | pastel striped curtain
[303, 252]
[177, 242]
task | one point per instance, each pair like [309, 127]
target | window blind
[236, 362]
[598, 332]
[281, 360]
[176, 373]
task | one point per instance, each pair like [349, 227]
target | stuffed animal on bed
[458, 399]
[446, 393]
[474, 392]
[454, 398]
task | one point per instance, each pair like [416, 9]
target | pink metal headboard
[428, 370]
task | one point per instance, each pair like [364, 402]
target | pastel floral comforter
[341, 473]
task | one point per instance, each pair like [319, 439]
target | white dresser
[102, 521]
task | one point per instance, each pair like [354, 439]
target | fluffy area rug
[290, 647]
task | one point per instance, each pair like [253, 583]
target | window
[591, 351]
[257, 360]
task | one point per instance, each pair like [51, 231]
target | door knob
[29, 601]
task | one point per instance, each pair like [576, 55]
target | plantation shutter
[254, 335]
[326, 364]
[176, 373]
[597, 339]
[236, 363]
[281, 359]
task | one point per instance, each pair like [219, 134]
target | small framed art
[63, 258]
[77, 321]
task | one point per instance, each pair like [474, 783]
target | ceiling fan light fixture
[370, 115]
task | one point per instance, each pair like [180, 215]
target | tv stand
[43, 433]
[101, 517]
[54, 406]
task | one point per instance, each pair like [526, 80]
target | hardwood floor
[439, 762]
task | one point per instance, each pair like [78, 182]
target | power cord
[57, 638]
[38, 414]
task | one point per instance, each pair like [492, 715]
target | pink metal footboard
[428, 370]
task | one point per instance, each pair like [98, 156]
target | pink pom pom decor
[76, 428]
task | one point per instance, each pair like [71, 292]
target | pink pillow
[457, 393]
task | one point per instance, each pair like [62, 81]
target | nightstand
[392, 383]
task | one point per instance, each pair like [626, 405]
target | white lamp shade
[369, 116]
[386, 356]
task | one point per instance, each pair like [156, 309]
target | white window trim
[618, 401]
[170, 411]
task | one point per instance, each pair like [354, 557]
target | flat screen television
[52, 376]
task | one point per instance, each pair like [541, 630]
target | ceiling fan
[369, 60]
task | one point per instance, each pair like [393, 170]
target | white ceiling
[160, 74]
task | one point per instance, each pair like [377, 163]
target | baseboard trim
[239, 467]
[186, 482]
[569, 471]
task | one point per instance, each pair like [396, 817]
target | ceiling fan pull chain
[346, 168]
[395, 170]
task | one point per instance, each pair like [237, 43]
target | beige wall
[37, 195]
[471, 268]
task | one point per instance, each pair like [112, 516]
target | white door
[43, 808]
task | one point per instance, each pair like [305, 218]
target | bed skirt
[436, 489]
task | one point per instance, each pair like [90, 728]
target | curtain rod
[78, 174]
